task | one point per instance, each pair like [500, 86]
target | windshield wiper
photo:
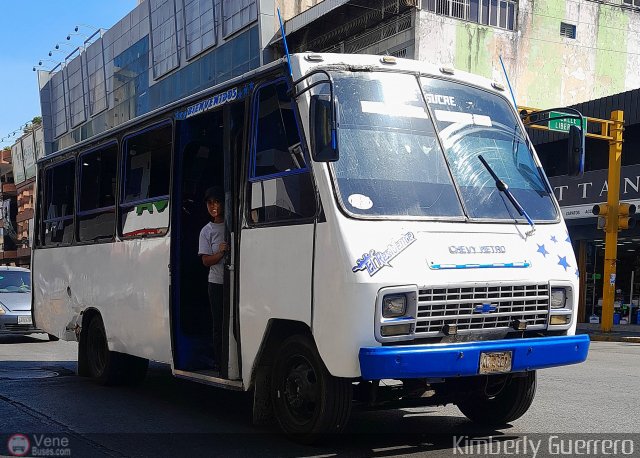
[503, 187]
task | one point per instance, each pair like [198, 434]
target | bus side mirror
[324, 138]
[575, 155]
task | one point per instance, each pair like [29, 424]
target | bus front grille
[479, 308]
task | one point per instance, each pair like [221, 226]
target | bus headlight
[558, 298]
[394, 305]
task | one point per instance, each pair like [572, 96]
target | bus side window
[58, 203]
[281, 187]
[145, 200]
[97, 190]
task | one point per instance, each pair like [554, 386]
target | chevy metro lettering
[485, 249]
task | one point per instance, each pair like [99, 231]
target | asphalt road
[39, 393]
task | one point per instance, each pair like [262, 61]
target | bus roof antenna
[513, 97]
[284, 40]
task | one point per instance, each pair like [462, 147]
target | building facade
[8, 210]
[556, 52]
[163, 50]
[18, 226]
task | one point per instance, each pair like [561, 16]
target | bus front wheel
[308, 402]
[500, 402]
[109, 367]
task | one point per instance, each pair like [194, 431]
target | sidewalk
[619, 332]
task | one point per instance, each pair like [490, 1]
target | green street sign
[597, 276]
[562, 125]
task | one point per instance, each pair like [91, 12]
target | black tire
[109, 367]
[505, 405]
[308, 402]
[53, 338]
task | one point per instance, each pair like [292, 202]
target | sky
[30, 29]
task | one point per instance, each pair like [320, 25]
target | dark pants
[215, 302]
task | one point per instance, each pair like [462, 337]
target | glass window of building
[497, 13]
[163, 36]
[199, 26]
[96, 76]
[58, 107]
[75, 87]
[236, 14]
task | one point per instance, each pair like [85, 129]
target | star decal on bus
[562, 261]
[542, 250]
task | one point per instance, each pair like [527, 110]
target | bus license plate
[495, 362]
[25, 319]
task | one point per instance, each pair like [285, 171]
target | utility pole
[612, 216]
[612, 224]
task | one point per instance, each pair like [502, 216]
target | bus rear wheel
[495, 404]
[109, 367]
[308, 402]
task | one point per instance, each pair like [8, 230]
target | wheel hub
[301, 390]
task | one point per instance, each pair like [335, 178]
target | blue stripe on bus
[495, 265]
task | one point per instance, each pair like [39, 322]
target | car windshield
[15, 282]
[392, 162]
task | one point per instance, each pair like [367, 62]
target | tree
[30, 126]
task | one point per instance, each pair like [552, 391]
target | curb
[613, 338]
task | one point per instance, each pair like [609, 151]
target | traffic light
[601, 211]
[625, 216]
[529, 116]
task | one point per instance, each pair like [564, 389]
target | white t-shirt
[211, 236]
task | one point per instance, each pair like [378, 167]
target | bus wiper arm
[503, 187]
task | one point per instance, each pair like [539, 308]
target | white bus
[387, 220]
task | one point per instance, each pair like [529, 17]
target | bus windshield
[392, 162]
[472, 122]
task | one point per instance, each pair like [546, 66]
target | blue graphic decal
[374, 260]
[562, 260]
[542, 249]
[558, 244]
[485, 308]
[215, 101]
[495, 265]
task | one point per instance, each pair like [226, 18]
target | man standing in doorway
[212, 249]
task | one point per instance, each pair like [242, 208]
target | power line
[15, 135]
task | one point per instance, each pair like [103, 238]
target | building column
[267, 26]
